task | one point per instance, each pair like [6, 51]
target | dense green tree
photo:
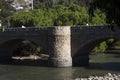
[111, 7]
[71, 15]
[60, 15]
[21, 18]
[98, 18]
[35, 18]
[101, 47]
[43, 17]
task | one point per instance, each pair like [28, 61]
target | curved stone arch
[7, 46]
[17, 40]
[87, 47]
[81, 57]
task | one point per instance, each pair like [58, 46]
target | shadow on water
[114, 66]
[39, 62]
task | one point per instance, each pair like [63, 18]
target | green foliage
[71, 15]
[58, 16]
[38, 17]
[101, 47]
[43, 17]
[99, 18]
[21, 18]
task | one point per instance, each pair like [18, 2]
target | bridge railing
[77, 28]
[17, 29]
[86, 29]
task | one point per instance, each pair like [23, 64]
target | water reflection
[62, 74]
[100, 64]
[39, 63]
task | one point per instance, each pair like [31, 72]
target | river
[100, 64]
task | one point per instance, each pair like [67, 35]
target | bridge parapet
[18, 29]
[89, 29]
[80, 28]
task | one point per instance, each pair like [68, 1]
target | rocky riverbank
[108, 76]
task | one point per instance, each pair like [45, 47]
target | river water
[100, 64]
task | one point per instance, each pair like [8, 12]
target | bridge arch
[81, 57]
[7, 46]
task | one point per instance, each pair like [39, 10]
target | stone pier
[59, 47]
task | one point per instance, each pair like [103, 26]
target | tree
[71, 15]
[98, 18]
[21, 18]
[111, 7]
[34, 18]
[43, 17]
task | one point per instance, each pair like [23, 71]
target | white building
[22, 4]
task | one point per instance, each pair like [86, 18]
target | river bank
[31, 60]
[30, 57]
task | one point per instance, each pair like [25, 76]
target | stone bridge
[66, 45]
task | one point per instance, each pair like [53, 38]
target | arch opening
[108, 59]
[83, 56]
[23, 52]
